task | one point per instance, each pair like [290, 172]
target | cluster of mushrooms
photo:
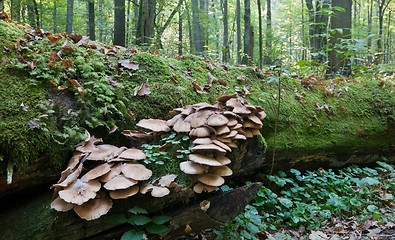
[96, 174]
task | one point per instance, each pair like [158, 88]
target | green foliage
[142, 224]
[312, 198]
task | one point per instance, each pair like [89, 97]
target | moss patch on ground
[359, 113]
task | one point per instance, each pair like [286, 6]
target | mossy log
[326, 124]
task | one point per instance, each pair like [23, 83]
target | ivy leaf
[155, 228]
[133, 235]
[286, 202]
[137, 210]
[139, 220]
[161, 219]
[369, 181]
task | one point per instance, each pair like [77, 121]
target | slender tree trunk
[342, 20]
[92, 32]
[260, 33]
[251, 44]
[370, 17]
[203, 23]
[36, 14]
[388, 51]
[197, 34]
[41, 14]
[161, 29]
[55, 22]
[180, 33]
[311, 11]
[191, 40]
[70, 7]
[119, 22]
[238, 31]
[136, 14]
[146, 24]
[269, 33]
[247, 23]
[16, 10]
[303, 36]
[383, 4]
[225, 46]
[128, 24]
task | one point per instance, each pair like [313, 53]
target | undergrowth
[312, 198]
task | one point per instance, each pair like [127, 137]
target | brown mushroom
[238, 107]
[222, 171]
[223, 160]
[211, 180]
[114, 171]
[70, 178]
[208, 147]
[200, 187]
[190, 167]
[133, 154]
[136, 171]
[105, 152]
[254, 119]
[120, 182]
[61, 205]
[199, 141]
[124, 193]
[96, 172]
[200, 132]
[94, 208]
[156, 125]
[79, 192]
[222, 145]
[222, 130]
[182, 126]
[203, 159]
[166, 180]
[217, 120]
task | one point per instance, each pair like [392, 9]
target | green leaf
[252, 228]
[155, 228]
[139, 220]
[369, 181]
[133, 235]
[161, 219]
[355, 202]
[372, 208]
[137, 210]
[286, 202]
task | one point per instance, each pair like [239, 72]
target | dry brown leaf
[142, 90]
[128, 64]
[75, 37]
[132, 115]
[197, 87]
[31, 64]
[54, 57]
[53, 39]
[33, 124]
[241, 79]
[174, 67]
[83, 42]
[113, 82]
[4, 61]
[174, 79]
[66, 46]
[67, 63]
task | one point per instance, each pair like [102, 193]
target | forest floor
[354, 203]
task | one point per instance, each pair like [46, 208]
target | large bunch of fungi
[107, 170]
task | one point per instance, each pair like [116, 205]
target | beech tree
[145, 31]
[119, 22]
[70, 8]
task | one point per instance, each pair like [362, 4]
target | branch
[175, 10]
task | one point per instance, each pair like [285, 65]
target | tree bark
[146, 23]
[70, 7]
[180, 33]
[247, 23]
[225, 46]
[92, 32]
[238, 31]
[197, 33]
[342, 20]
[269, 33]
[203, 23]
[382, 4]
[36, 14]
[55, 22]
[16, 10]
[260, 33]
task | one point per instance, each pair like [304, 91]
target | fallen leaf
[77, 84]
[3, 15]
[241, 79]
[75, 37]
[174, 79]
[128, 64]
[134, 49]
[211, 78]
[31, 64]
[113, 129]
[222, 82]
[201, 69]
[142, 90]
[53, 39]
[132, 115]
[83, 42]
[54, 57]
[174, 67]
[67, 63]
[33, 124]
[317, 235]
[4, 61]
[210, 67]
[113, 82]
[66, 46]
[197, 87]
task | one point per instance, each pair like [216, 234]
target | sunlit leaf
[67, 63]
[83, 42]
[142, 90]
[66, 46]
[54, 57]
[53, 39]
[128, 64]
[75, 37]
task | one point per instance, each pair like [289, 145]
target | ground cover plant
[354, 202]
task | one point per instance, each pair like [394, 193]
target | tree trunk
[41, 14]
[251, 44]
[247, 23]
[197, 33]
[70, 7]
[260, 33]
[128, 24]
[16, 10]
[370, 17]
[92, 32]
[225, 46]
[180, 33]
[383, 4]
[55, 22]
[203, 23]
[191, 40]
[342, 20]
[36, 14]
[119, 22]
[269, 33]
[146, 24]
[238, 31]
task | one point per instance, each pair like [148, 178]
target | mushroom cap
[120, 182]
[124, 193]
[200, 118]
[232, 145]
[208, 147]
[237, 126]
[88, 145]
[166, 180]
[232, 134]
[114, 171]
[182, 126]
[96, 172]
[79, 192]
[221, 171]
[94, 208]
[248, 133]
[133, 154]
[70, 178]
[203, 105]
[251, 124]
[61, 205]
[232, 122]
[203, 159]
[237, 106]
[200, 132]
[136, 171]
[136, 134]
[223, 160]
[174, 119]
[222, 145]
[187, 110]
[223, 130]
[211, 180]
[200, 187]
[254, 119]
[159, 191]
[224, 140]
[217, 120]
[233, 115]
[105, 152]
[190, 167]
[240, 137]
[202, 141]
[146, 188]
[75, 159]
[255, 131]
[156, 125]
[225, 98]
[261, 115]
